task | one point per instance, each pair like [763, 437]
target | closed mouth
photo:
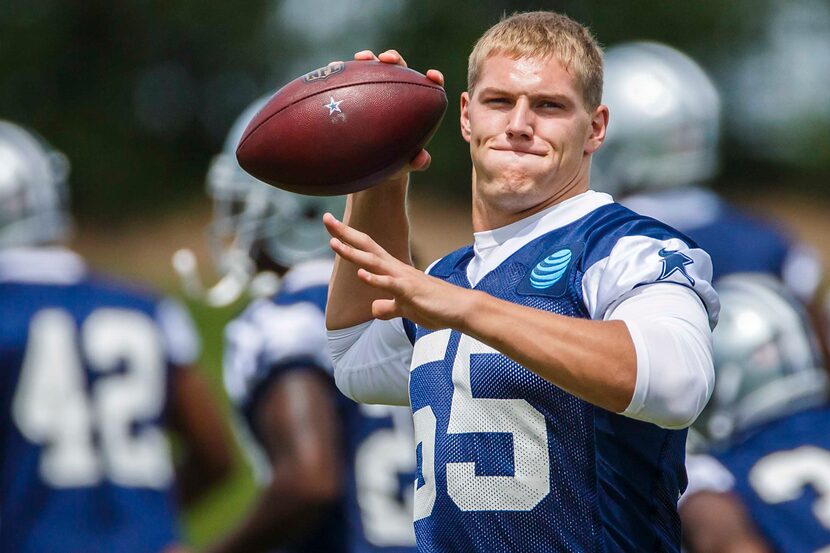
[517, 151]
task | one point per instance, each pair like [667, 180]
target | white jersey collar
[41, 265]
[493, 247]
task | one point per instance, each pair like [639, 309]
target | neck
[489, 215]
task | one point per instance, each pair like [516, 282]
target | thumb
[385, 309]
[421, 161]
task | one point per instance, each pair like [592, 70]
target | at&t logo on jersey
[550, 275]
[550, 270]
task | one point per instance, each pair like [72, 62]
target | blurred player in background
[335, 475]
[92, 374]
[767, 484]
[660, 151]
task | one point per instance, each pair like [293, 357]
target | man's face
[530, 136]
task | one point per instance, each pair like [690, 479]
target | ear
[599, 124]
[465, 116]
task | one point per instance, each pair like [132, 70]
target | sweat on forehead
[543, 35]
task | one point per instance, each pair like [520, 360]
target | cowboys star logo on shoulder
[324, 73]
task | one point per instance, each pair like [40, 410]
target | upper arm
[296, 418]
[194, 413]
[658, 283]
[372, 361]
[277, 372]
[670, 331]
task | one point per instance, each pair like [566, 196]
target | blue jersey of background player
[92, 372]
[768, 422]
[334, 475]
[662, 146]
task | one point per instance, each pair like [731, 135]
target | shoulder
[306, 283]
[604, 229]
[624, 250]
[272, 336]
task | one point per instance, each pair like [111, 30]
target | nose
[520, 124]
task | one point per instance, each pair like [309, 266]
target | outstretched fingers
[383, 282]
[357, 247]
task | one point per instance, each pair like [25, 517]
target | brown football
[341, 128]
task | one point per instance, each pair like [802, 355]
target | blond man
[553, 365]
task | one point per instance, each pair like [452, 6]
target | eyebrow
[493, 91]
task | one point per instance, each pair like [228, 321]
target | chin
[512, 193]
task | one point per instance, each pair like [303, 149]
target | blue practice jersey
[509, 462]
[288, 333]
[781, 473]
[736, 241]
[85, 465]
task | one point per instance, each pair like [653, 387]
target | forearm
[651, 359]
[197, 422]
[297, 418]
[284, 513]
[594, 360]
[380, 212]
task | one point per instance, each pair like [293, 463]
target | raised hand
[423, 299]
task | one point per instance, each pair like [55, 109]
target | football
[342, 128]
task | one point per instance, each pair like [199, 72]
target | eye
[550, 105]
[495, 101]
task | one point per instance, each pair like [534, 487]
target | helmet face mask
[33, 193]
[273, 227]
[664, 122]
[767, 360]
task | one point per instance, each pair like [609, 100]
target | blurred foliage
[139, 93]
[225, 505]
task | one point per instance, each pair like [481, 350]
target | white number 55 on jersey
[530, 483]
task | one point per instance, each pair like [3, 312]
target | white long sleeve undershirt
[668, 325]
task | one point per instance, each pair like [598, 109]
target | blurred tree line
[140, 93]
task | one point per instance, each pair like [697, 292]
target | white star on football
[334, 107]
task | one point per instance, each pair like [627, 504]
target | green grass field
[218, 511]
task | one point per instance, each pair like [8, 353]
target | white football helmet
[255, 224]
[767, 358]
[33, 198]
[664, 121]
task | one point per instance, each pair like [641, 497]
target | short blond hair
[543, 35]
